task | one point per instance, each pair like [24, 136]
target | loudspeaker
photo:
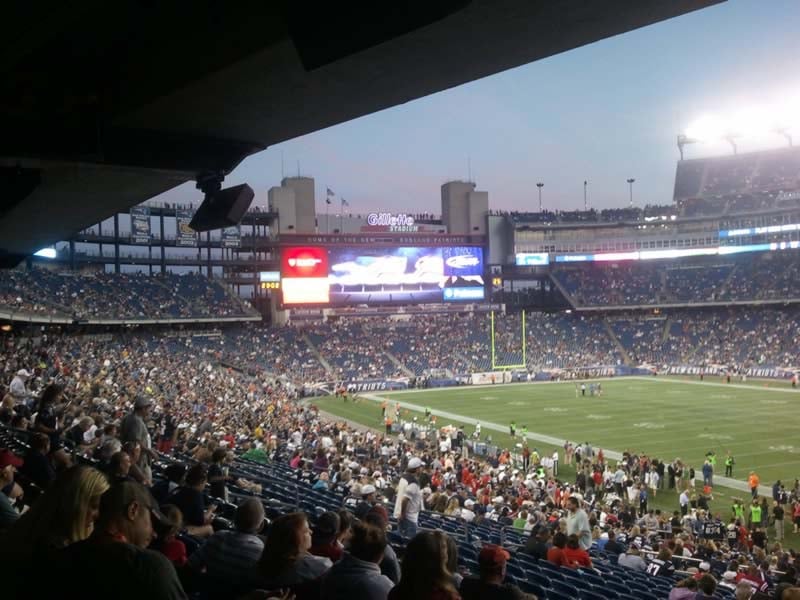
[224, 208]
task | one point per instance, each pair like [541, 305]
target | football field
[661, 417]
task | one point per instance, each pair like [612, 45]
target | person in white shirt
[467, 513]
[578, 523]
[411, 503]
[683, 500]
[18, 389]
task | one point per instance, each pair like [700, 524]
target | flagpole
[341, 216]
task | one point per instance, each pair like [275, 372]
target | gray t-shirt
[578, 524]
[414, 495]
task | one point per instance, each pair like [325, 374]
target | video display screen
[412, 275]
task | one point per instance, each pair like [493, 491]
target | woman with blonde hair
[453, 507]
[63, 515]
[425, 575]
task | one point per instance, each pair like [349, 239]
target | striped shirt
[228, 554]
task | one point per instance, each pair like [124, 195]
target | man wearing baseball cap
[18, 388]
[114, 561]
[367, 501]
[9, 463]
[411, 503]
[492, 565]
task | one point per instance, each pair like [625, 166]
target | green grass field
[662, 417]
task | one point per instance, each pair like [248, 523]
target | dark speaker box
[224, 208]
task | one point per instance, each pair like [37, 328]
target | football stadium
[265, 392]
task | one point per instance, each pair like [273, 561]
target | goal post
[501, 367]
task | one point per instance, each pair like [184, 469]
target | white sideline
[735, 484]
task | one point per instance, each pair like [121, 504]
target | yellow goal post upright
[495, 366]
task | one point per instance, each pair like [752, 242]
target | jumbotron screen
[401, 275]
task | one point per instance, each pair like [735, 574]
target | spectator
[745, 591]
[119, 467]
[216, 474]
[286, 560]
[631, 559]
[538, 544]
[37, 467]
[167, 541]
[492, 565]
[63, 515]
[390, 566]
[612, 545]
[556, 553]
[231, 555]
[133, 429]
[18, 388]
[114, 561]
[9, 463]
[47, 422]
[706, 586]
[578, 523]
[411, 502]
[425, 575]
[575, 555]
[175, 475]
[685, 589]
[358, 575]
[189, 499]
[75, 434]
[325, 539]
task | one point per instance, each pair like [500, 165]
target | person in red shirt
[555, 554]
[575, 555]
[167, 542]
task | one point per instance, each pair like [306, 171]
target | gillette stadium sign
[399, 223]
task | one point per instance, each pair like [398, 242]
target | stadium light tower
[585, 200]
[630, 186]
[785, 133]
[540, 185]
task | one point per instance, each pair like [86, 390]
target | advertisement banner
[532, 259]
[186, 236]
[490, 378]
[232, 237]
[140, 225]
[376, 385]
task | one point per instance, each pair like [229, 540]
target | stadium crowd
[252, 489]
[97, 296]
[765, 276]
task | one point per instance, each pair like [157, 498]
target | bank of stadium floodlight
[631, 181]
[540, 185]
[784, 131]
[46, 253]
[746, 123]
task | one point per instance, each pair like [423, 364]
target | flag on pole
[327, 200]
[330, 192]
[345, 202]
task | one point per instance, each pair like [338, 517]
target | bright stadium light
[751, 122]
[706, 129]
[46, 253]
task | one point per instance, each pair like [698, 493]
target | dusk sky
[602, 113]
